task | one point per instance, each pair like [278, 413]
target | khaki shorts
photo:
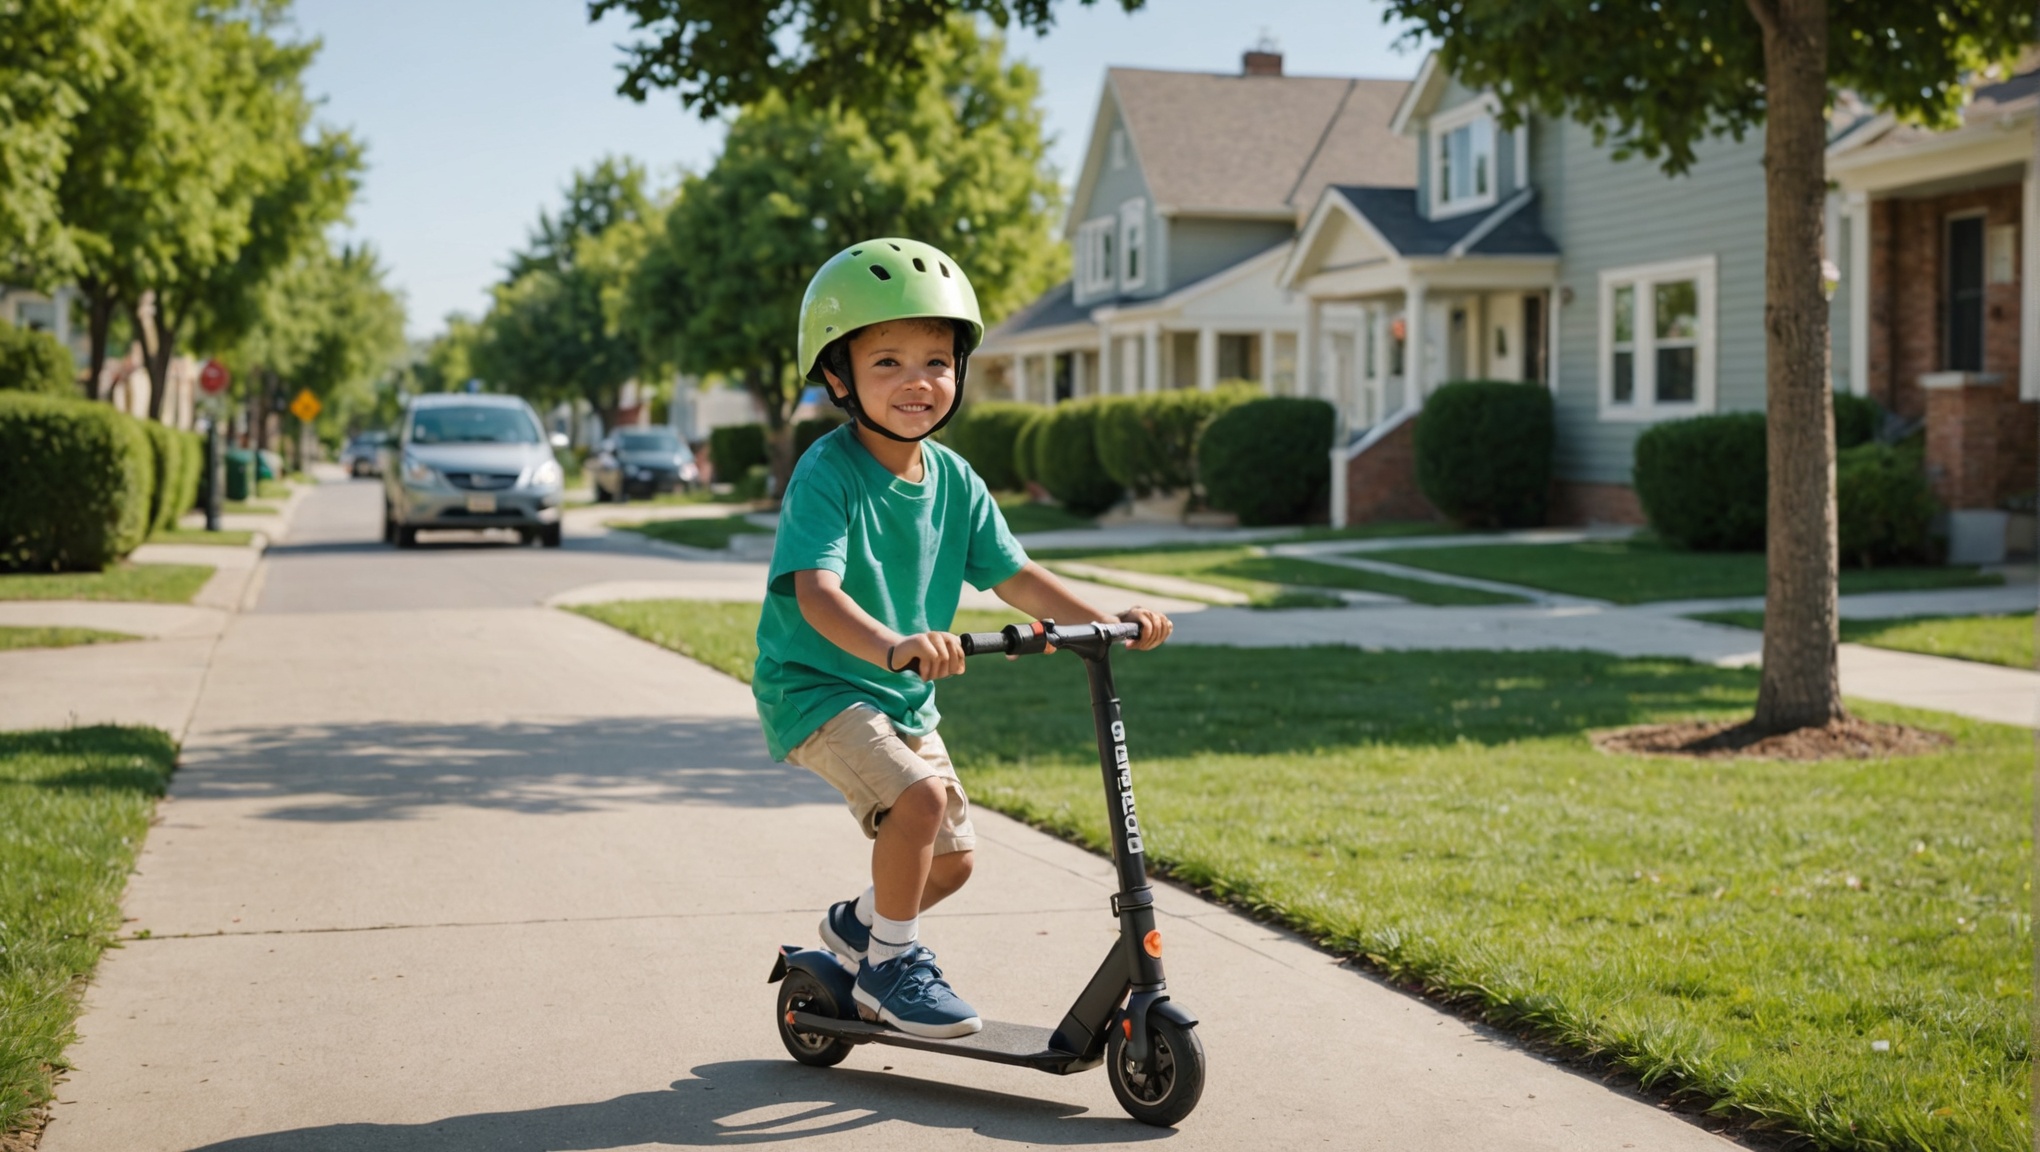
[870, 763]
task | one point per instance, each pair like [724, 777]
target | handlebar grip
[983, 643]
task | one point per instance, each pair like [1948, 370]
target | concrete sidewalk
[497, 877]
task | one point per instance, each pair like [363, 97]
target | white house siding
[1114, 187]
[1604, 214]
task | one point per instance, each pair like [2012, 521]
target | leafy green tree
[446, 362]
[1656, 79]
[723, 54]
[53, 55]
[958, 160]
[32, 361]
[550, 335]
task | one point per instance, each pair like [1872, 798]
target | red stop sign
[213, 377]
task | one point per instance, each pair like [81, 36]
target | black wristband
[888, 657]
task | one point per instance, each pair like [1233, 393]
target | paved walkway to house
[446, 869]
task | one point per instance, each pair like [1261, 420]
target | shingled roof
[1233, 144]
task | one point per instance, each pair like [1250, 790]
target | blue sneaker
[845, 935]
[909, 993]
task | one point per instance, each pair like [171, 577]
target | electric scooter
[1123, 1018]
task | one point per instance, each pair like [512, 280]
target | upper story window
[1657, 340]
[1463, 175]
[1096, 271]
[1133, 243]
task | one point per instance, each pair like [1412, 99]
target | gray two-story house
[1191, 191]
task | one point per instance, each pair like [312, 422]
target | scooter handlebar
[1042, 636]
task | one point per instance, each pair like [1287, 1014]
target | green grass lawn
[1640, 571]
[1024, 515]
[230, 537]
[712, 534]
[1737, 933]
[155, 583]
[12, 637]
[2006, 640]
[74, 806]
[1272, 580]
[247, 508]
[272, 489]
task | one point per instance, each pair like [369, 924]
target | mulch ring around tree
[1847, 739]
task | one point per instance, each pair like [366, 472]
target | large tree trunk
[159, 347]
[777, 401]
[1800, 686]
[99, 306]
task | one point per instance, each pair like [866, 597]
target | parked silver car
[471, 461]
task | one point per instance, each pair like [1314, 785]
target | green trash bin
[240, 474]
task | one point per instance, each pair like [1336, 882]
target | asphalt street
[445, 868]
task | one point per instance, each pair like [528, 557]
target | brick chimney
[1260, 61]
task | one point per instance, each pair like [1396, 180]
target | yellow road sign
[306, 406]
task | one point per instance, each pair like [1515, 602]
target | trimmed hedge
[985, 434]
[806, 432]
[734, 448]
[75, 483]
[1484, 453]
[32, 361]
[1701, 481]
[1268, 461]
[1027, 448]
[1856, 420]
[1149, 443]
[1066, 460]
[1884, 503]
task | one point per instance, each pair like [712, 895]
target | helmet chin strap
[848, 402]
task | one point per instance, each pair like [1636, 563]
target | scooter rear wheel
[800, 992]
[1167, 1088]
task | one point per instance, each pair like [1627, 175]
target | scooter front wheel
[800, 992]
[1166, 1089]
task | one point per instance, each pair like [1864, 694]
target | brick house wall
[1381, 482]
[1983, 442]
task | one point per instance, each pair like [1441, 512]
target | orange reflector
[1126, 1026]
[1153, 943]
[789, 1019]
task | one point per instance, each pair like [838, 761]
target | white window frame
[1095, 273]
[1440, 129]
[1132, 240]
[1644, 407]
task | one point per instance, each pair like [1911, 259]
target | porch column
[1207, 358]
[1414, 345]
[1268, 361]
[1151, 359]
[1859, 293]
[1105, 367]
[1307, 348]
[2029, 288]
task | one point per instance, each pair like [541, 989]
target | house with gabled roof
[1189, 197]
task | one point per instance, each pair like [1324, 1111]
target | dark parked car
[362, 456]
[641, 462]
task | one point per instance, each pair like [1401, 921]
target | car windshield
[368, 439]
[648, 442]
[473, 425]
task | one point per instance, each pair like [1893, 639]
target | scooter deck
[998, 1042]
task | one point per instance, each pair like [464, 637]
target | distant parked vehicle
[363, 454]
[471, 461]
[641, 462]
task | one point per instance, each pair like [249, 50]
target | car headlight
[546, 475]
[416, 472]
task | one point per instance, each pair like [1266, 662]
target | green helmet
[877, 281]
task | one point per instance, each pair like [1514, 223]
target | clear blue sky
[476, 112]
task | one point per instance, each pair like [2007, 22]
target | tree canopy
[53, 55]
[723, 54]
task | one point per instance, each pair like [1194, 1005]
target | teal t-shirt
[903, 551]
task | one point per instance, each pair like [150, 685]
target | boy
[878, 531]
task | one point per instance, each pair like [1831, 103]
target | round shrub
[167, 449]
[1856, 420]
[1884, 503]
[1067, 459]
[193, 475]
[1701, 481]
[1268, 461]
[75, 479]
[734, 448]
[1149, 443]
[806, 432]
[1484, 453]
[1027, 448]
[32, 361]
[984, 434]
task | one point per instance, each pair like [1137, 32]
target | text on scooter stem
[1126, 812]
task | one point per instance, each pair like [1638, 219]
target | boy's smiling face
[905, 372]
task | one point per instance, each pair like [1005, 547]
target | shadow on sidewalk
[739, 1102]
[396, 771]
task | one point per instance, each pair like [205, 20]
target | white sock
[867, 907]
[890, 938]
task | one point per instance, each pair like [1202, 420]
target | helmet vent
[857, 251]
[894, 247]
[944, 267]
[918, 266]
[879, 271]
